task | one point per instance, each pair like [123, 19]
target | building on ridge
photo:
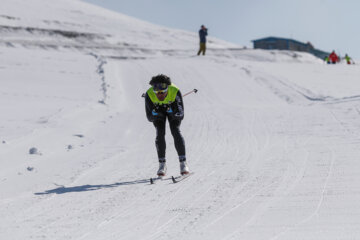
[271, 43]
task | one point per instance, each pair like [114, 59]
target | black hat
[161, 78]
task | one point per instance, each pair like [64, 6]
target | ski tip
[151, 181]
[173, 179]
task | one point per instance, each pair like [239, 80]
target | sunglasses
[160, 86]
[160, 91]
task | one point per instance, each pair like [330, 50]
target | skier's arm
[149, 107]
[178, 107]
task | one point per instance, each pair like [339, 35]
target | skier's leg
[179, 145]
[178, 138]
[160, 139]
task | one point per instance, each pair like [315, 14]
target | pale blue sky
[327, 24]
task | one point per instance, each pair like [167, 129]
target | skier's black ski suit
[175, 117]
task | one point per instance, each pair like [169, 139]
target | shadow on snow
[85, 188]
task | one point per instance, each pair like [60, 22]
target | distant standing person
[202, 35]
[327, 59]
[333, 57]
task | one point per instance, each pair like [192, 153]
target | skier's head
[160, 85]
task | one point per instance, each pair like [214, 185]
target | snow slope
[272, 136]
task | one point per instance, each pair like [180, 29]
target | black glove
[175, 116]
[157, 115]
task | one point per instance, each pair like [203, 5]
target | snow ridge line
[52, 32]
[101, 72]
[281, 87]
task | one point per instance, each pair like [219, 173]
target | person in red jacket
[333, 57]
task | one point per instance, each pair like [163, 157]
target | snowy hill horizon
[271, 136]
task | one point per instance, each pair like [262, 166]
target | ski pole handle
[192, 91]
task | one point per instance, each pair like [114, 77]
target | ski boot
[162, 169]
[184, 169]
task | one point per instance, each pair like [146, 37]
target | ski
[153, 180]
[181, 177]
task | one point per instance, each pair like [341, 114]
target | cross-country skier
[164, 101]
[348, 59]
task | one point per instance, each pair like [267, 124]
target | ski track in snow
[222, 196]
[247, 180]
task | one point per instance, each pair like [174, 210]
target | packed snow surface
[271, 136]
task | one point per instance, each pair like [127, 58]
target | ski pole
[192, 91]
